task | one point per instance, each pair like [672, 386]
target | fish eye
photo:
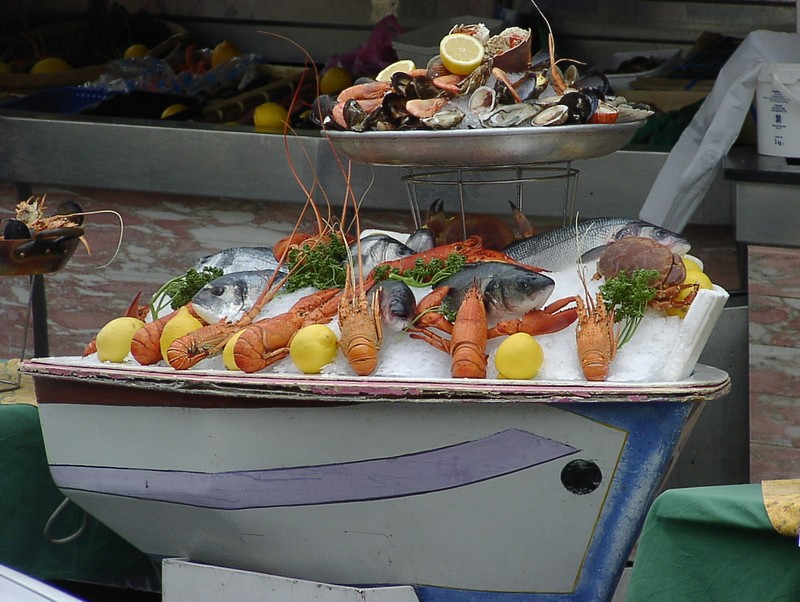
[217, 290]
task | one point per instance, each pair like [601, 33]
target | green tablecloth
[713, 544]
[28, 497]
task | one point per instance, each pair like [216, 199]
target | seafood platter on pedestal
[415, 479]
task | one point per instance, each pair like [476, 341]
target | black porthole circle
[581, 477]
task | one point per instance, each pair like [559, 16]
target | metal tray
[486, 147]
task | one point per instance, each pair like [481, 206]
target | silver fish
[231, 295]
[561, 248]
[421, 239]
[397, 303]
[509, 290]
[240, 259]
[378, 248]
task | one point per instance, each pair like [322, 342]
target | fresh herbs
[180, 290]
[424, 273]
[628, 296]
[319, 265]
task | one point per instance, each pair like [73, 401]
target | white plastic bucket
[778, 110]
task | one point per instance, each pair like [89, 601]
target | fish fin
[593, 254]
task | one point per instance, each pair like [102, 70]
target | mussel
[15, 229]
[580, 105]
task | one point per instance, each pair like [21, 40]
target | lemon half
[461, 53]
[401, 66]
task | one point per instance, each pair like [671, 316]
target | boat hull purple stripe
[503, 453]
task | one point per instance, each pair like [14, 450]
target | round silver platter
[485, 147]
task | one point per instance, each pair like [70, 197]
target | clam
[554, 115]
[509, 115]
[483, 100]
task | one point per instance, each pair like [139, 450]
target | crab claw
[552, 318]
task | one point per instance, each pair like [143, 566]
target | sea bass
[561, 248]
[509, 290]
[397, 303]
[230, 295]
[379, 248]
[240, 259]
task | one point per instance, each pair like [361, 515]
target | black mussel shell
[70, 208]
[581, 106]
[321, 110]
[14, 229]
[596, 84]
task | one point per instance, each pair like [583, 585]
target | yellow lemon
[519, 357]
[692, 277]
[180, 324]
[403, 66]
[313, 347]
[461, 53]
[270, 116]
[224, 51]
[5, 67]
[227, 352]
[135, 51]
[50, 65]
[334, 80]
[692, 263]
[114, 339]
[173, 109]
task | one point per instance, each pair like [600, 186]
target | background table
[713, 544]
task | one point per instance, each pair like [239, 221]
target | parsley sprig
[178, 291]
[628, 296]
[424, 273]
[318, 265]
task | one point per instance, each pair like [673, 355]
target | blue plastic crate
[67, 100]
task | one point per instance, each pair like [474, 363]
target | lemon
[270, 116]
[50, 65]
[334, 80]
[519, 357]
[692, 263]
[180, 324]
[173, 109]
[227, 352]
[224, 51]
[313, 347]
[114, 339]
[403, 66]
[692, 277]
[5, 67]
[461, 53]
[135, 51]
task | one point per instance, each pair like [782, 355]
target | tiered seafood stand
[351, 488]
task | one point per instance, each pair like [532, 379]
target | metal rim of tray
[524, 145]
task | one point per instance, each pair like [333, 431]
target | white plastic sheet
[696, 158]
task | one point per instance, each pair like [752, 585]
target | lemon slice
[461, 53]
[404, 66]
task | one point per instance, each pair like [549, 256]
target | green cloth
[28, 497]
[713, 544]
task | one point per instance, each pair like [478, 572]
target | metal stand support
[463, 178]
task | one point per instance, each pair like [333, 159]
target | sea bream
[561, 248]
[230, 295]
[396, 301]
[378, 248]
[509, 290]
[240, 259]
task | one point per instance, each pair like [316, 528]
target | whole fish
[561, 248]
[230, 295]
[509, 290]
[421, 239]
[397, 303]
[240, 259]
[378, 248]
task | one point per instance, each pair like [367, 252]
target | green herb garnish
[424, 273]
[628, 296]
[318, 265]
[181, 289]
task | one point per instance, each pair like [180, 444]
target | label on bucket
[778, 108]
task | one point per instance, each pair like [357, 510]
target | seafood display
[503, 86]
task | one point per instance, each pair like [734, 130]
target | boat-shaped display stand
[465, 491]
